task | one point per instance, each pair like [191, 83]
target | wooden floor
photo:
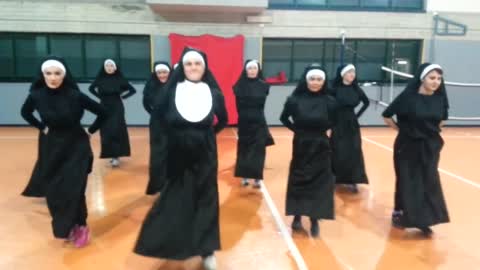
[253, 233]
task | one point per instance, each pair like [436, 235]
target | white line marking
[454, 176]
[297, 256]
[446, 137]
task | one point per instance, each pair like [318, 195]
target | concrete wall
[454, 6]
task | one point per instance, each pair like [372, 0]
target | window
[343, 3]
[21, 53]
[277, 57]
[29, 50]
[7, 67]
[97, 49]
[407, 4]
[370, 59]
[292, 56]
[133, 56]
[376, 3]
[69, 47]
[354, 5]
[403, 56]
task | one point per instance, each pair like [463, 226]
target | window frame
[415, 59]
[360, 7]
[84, 78]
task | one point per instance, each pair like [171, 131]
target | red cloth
[225, 60]
[281, 78]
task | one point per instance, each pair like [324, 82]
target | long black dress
[158, 134]
[253, 134]
[310, 188]
[184, 221]
[417, 149]
[37, 186]
[68, 157]
[110, 89]
[347, 154]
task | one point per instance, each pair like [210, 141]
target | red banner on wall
[225, 60]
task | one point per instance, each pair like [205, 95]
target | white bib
[193, 100]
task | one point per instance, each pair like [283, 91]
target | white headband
[347, 69]
[175, 66]
[53, 63]
[428, 69]
[160, 67]
[315, 72]
[110, 61]
[193, 55]
[252, 63]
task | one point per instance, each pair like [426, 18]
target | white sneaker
[210, 263]
[115, 162]
[245, 182]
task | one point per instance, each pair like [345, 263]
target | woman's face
[252, 72]
[162, 75]
[194, 69]
[432, 81]
[110, 68]
[349, 77]
[315, 83]
[54, 77]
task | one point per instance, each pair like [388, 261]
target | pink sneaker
[82, 237]
[73, 234]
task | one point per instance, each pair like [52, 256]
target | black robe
[311, 181]
[66, 153]
[184, 221]
[113, 133]
[347, 154]
[36, 186]
[416, 156]
[253, 133]
[158, 137]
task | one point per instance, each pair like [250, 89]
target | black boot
[426, 231]
[314, 229]
[297, 223]
[397, 219]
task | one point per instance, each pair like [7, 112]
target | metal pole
[431, 55]
[342, 48]
[392, 76]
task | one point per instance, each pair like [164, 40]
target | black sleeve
[93, 89]
[27, 113]
[333, 111]
[146, 99]
[286, 113]
[365, 101]
[394, 107]
[220, 112]
[95, 108]
[446, 108]
[130, 91]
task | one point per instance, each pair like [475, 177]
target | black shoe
[397, 219]
[297, 223]
[315, 229]
[354, 188]
[245, 182]
[426, 231]
[257, 182]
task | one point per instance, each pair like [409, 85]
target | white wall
[472, 6]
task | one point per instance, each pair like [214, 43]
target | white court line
[297, 256]
[443, 136]
[454, 176]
